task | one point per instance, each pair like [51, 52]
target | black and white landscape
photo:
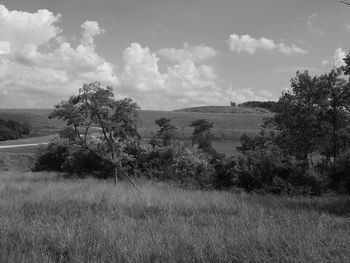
[174, 131]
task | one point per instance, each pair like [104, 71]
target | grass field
[45, 218]
[226, 125]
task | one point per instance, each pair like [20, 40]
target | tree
[313, 116]
[99, 123]
[202, 134]
[166, 131]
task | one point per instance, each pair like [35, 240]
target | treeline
[12, 130]
[268, 105]
[304, 149]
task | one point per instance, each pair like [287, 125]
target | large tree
[313, 115]
[99, 123]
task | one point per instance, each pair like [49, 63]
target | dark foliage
[60, 156]
[202, 135]
[166, 133]
[12, 130]
[268, 105]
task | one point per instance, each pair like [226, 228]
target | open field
[226, 125]
[45, 218]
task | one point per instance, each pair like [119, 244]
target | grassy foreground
[45, 218]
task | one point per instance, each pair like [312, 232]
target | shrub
[178, 162]
[60, 155]
[340, 176]
[53, 156]
[271, 170]
[12, 130]
[192, 167]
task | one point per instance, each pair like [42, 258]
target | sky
[165, 54]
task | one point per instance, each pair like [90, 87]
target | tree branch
[345, 2]
[84, 145]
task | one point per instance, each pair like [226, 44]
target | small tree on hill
[95, 109]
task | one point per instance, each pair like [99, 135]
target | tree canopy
[100, 123]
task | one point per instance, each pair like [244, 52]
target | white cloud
[182, 85]
[39, 67]
[337, 60]
[20, 28]
[194, 53]
[338, 57]
[4, 47]
[246, 43]
[31, 77]
[91, 29]
[247, 94]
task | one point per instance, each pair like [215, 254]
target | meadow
[45, 217]
[228, 126]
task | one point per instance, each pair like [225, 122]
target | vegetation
[47, 218]
[303, 149]
[12, 130]
[237, 109]
[241, 122]
[268, 105]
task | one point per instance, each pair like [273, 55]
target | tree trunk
[116, 175]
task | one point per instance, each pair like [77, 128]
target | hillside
[226, 126]
[226, 109]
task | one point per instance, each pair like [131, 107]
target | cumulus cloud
[194, 53]
[39, 67]
[19, 28]
[32, 78]
[91, 29]
[184, 84]
[246, 43]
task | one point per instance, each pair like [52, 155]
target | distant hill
[267, 105]
[227, 109]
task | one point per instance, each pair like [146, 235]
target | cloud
[39, 67]
[194, 53]
[183, 85]
[27, 71]
[4, 47]
[309, 20]
[91, 29]
[246, 43]
[247, 94]
[338, 58]
[19, 28]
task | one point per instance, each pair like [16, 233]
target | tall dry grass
[45, 218]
